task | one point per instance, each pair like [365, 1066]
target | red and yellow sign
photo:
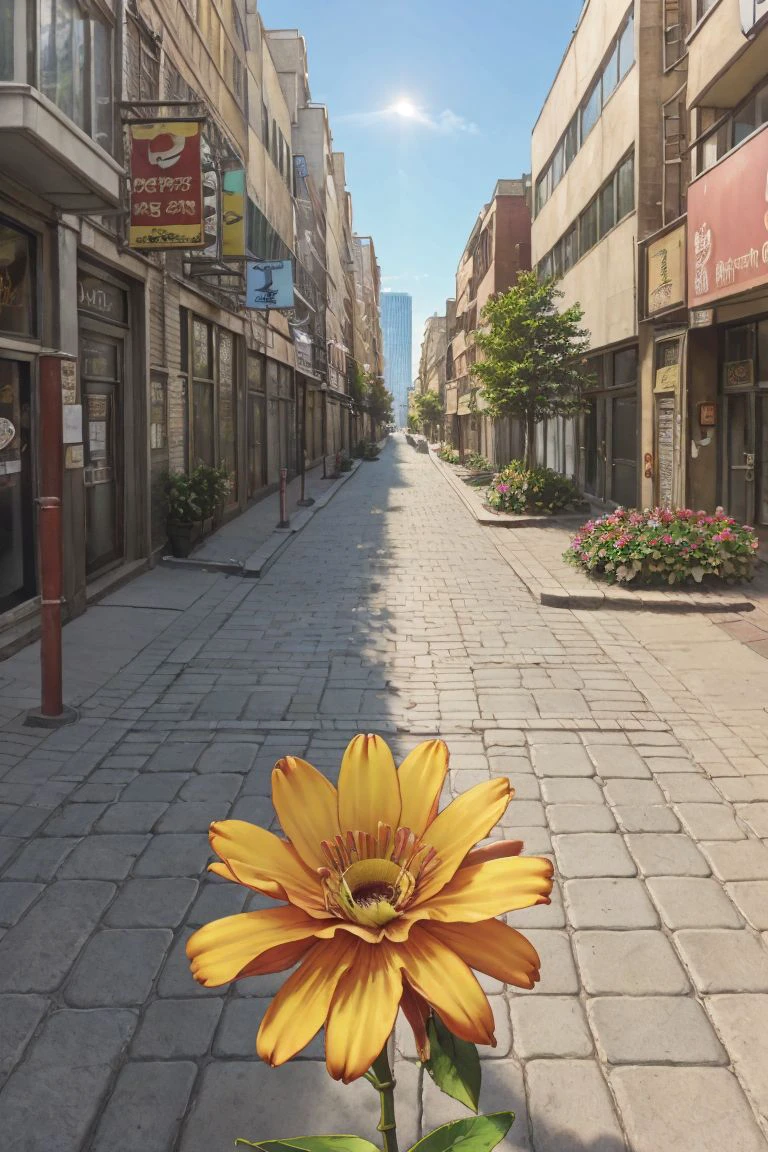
[166, 185]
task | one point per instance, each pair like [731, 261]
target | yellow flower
[385, 905]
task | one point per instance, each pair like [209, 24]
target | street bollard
[284, 521]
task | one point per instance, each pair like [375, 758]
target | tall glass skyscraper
[396, 323]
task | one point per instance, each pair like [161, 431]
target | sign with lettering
[740, 374]
[665, 450]
[68, 382]
[728, 224]
[269, 284]
[667, 378]
[233, 214]
[665, 272]
[166, 185]
[100, 298]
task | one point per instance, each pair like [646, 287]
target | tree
[533, 365]
[429, 410]
[378, 401]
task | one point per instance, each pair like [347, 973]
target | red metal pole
[284, 521]
[50, 534]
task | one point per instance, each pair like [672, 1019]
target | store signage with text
[728, 224]
[269, 284]
[166, 185]
[665, 277]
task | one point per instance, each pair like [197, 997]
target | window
[76, 66]
[274, 143]
[607, 208]
[264, 126]
[558, 166]
[627, 47]
[625, 194]
[625, 368]
[7, 8]
[590, 111]
[571, 141]
[713, 147]
[703, 6]
[570, 249]
[588, 228]
[611, 73]
[542, 190]
[202, 393]
[17, 281]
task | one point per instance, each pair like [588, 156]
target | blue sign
[269, 284]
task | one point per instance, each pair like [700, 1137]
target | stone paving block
[216, 899]
[502, 1090]
[654, 1030]
[742, 1022]
[240, 1022]
[710, 821]
[175, 854]
[132, 816]
[571, 1107]
[523, 814]
[549, 1026]
[686, 1108]
[660, 765]
[15, 898]
[689, 788]
[41, 859]
[687, 902]
[175, 1029]
[600, 903]
[633, 792]
[560, 703]
[177, 981]
[550, 915]
[647, 818]
[580, 818]
[20, 1016]
[572, 790]
[660, 855]
[213, 788]
[737, 860]
[149, 787]
[74, 820]
[37, 953]
[145, 1107]
[561, 760]
[617, 760]
[54, 1096]
[724, 961]
[117, 967]
[176, 757]
[755, 816]
[749, 896]
[237, 1097]
[157, 903]
[629, 964]
[558, 971]
[592, 854]
[110, 856]
[225, 756]
[188, 816]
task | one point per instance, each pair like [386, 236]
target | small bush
[660, 546]
[537, 490]
[343, 462]
[449, 454]
[476, 462]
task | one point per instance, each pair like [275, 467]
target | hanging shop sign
[166, 185]
[233, 214]
[665, 272]
[303, 347]
[728, 224]
[269, 284]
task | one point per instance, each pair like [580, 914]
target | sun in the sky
[405, 108]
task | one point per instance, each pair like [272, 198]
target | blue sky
[471, 77]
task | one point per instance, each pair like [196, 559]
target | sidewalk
[533, 546]
[247, 544]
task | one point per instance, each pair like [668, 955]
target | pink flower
[503, 488]
[668, 539]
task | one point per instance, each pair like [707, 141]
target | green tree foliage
[378, 401]
[429, 410]
[533, 356]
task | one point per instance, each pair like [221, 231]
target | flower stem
[383, 1081]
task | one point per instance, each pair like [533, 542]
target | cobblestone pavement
[638, 746]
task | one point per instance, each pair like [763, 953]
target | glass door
[17, 546]
[741, 455]
[101, 359]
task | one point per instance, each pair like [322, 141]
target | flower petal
[299, 1009]
[421, 777]
[363, 1011]
[498, 850]
[219, 951]
[369, 791]
[258, 859]
[278, 959]
[307, 808]
[416, 1011]
[441, 977]
[492, 947]
[490, 889]
[460, 826]
[266, 887]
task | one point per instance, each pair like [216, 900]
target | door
[594, 448]
[257, 442]
[624, 450]
[761, 463]
[101, 360]
[741, 456]
[17, 548]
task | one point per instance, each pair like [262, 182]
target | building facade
[168, 368]
[396, 328]
[498, 249]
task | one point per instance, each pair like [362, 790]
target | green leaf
[312, 1144]
[475, 1134]
[453, 1064]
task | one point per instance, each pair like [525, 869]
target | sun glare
[405, 108]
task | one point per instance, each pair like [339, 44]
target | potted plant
[184, 513]
[212, 486]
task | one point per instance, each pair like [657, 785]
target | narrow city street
[637, 743]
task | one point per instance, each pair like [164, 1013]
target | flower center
[371, 879]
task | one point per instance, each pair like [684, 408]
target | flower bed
[449, 454]
[660, 546]
[537, 490]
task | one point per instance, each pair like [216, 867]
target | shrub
[476, 462]
[343, 462]
[366, 450]
[211, 486]
[182, 499]
[449, 454]
[659, 546]
[541, 490]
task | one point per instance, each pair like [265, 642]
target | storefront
[211, 355]
[608, 440]
[728, 293]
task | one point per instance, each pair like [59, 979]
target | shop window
[625, 368]
[739, 344]
[227, 409]
[202, 393]
[158, 413]
[76, 66]
[17, 282]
